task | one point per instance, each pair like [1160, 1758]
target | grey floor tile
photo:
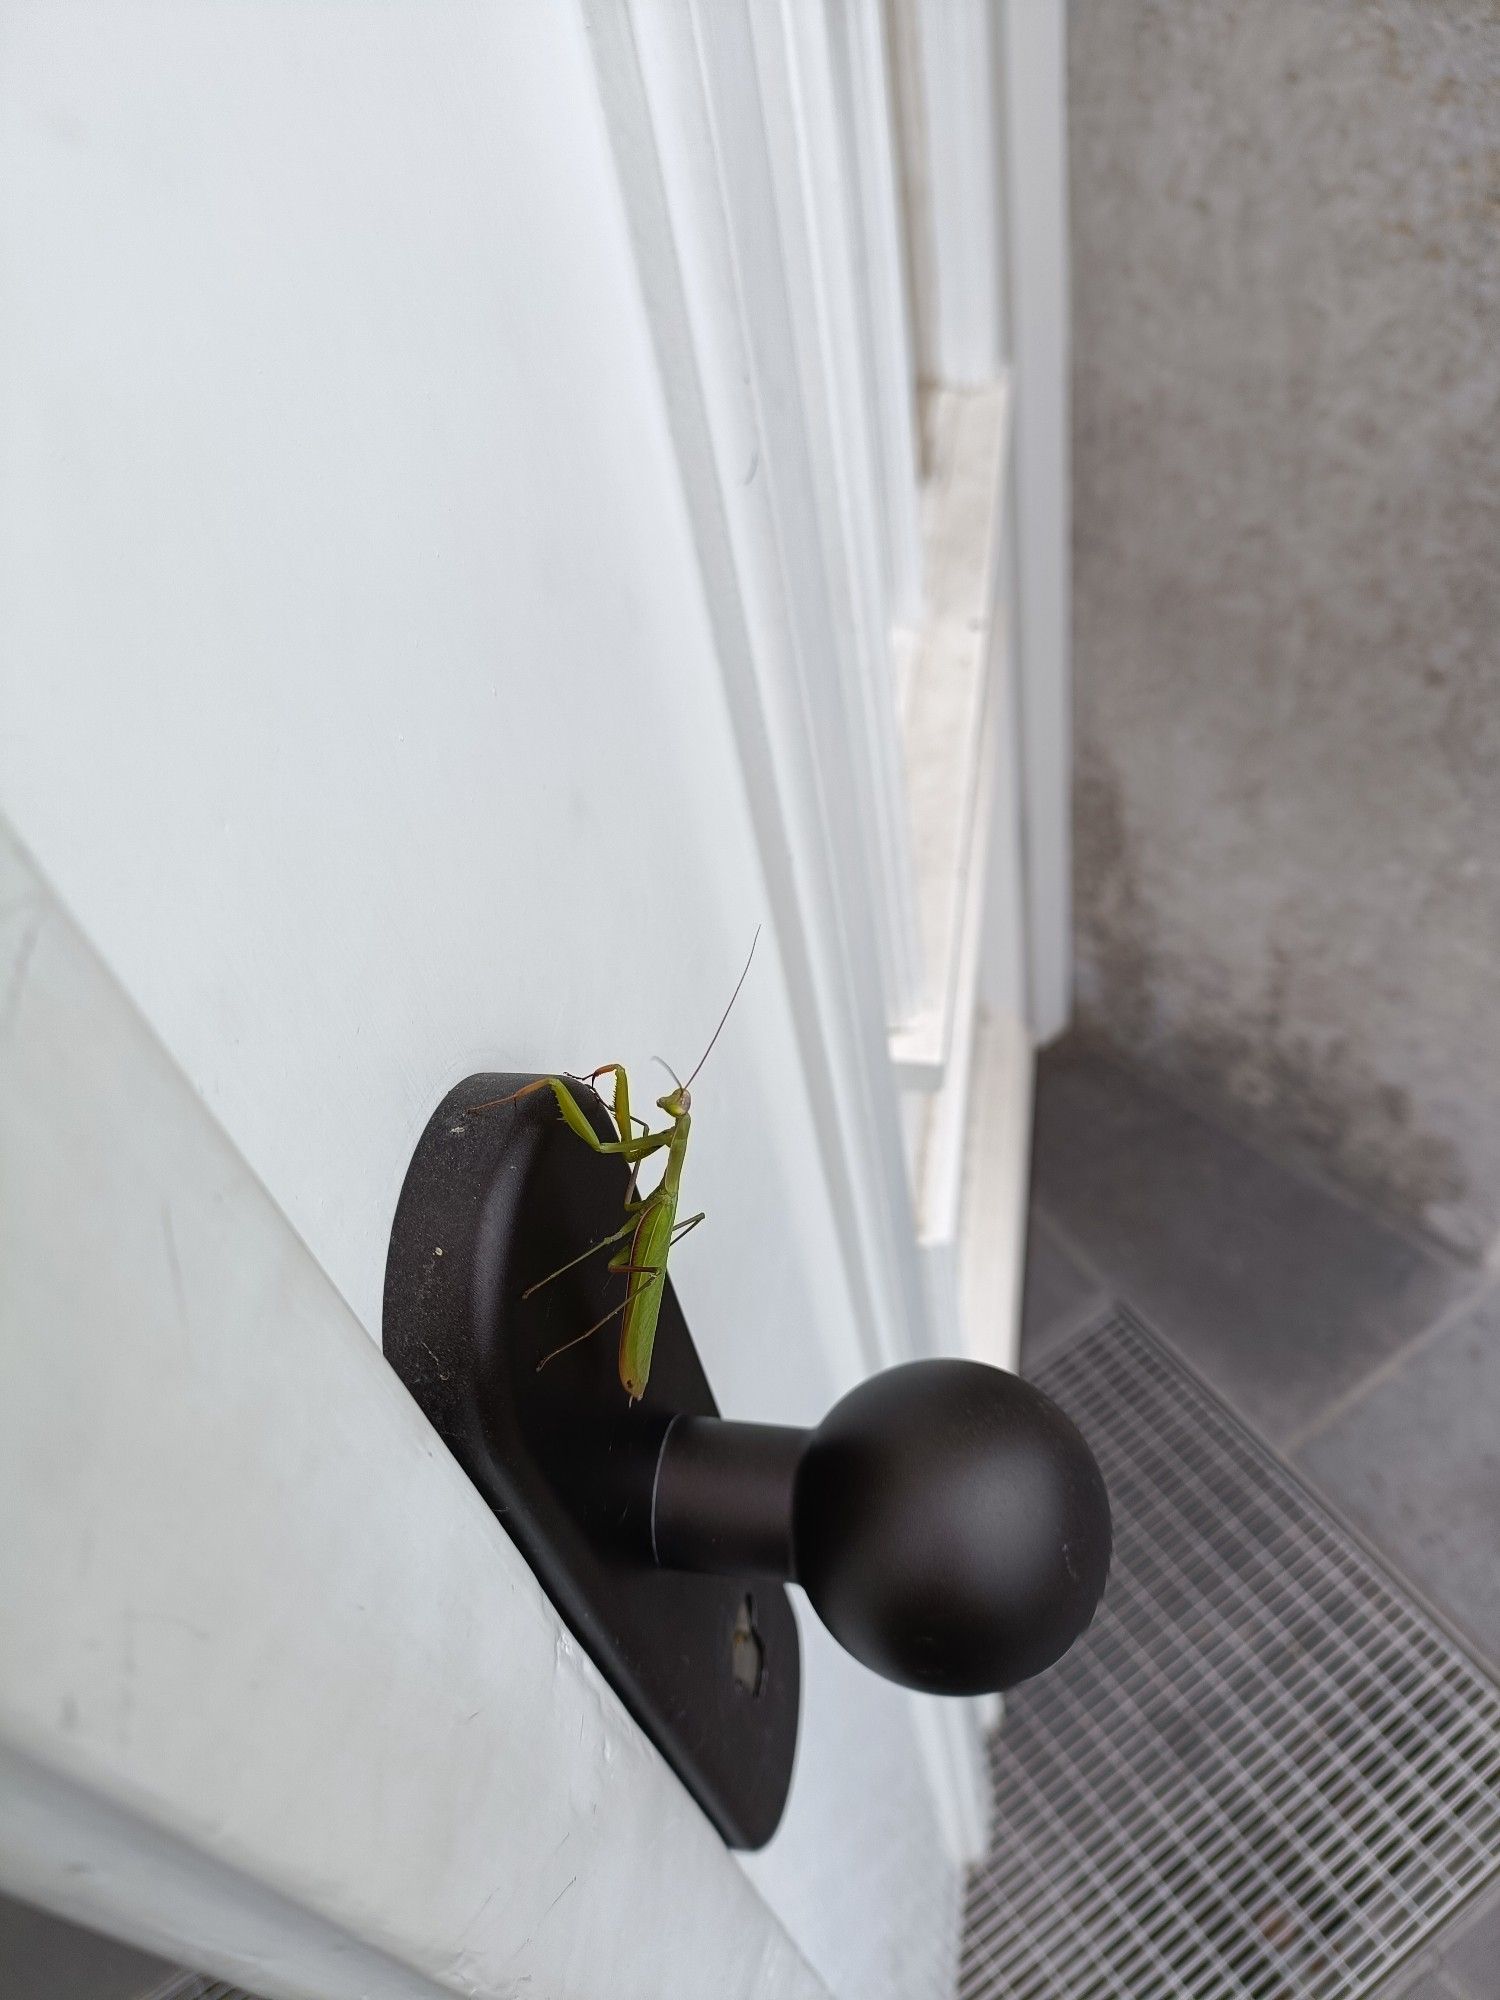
[1429, 1987]
[1058, 1294]
[1415, 1463]
[1471, 1957]
[1280, 1293]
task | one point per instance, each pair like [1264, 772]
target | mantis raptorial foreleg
[573, 1115]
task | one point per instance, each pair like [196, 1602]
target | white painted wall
[359, 696]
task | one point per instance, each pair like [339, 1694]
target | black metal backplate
[494, 1201]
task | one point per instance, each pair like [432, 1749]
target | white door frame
[771, 269]
[701, 168]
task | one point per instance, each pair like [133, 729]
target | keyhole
[747, 1654]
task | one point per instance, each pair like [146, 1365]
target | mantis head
[677, 1100]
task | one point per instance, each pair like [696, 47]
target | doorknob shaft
[723, 1498]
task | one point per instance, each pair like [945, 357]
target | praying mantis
[651, 1230]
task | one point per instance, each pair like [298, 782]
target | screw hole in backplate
[747, 1651]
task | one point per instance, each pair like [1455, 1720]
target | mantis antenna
[725, 1015]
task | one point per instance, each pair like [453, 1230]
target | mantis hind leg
[579, 1338]
[619, 1268]
[627, 1228]
[582, 1257]
[619, 1262]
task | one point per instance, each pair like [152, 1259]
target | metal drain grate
[197, 1986]
[1263, 1772]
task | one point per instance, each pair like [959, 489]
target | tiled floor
[1466, 1966]
[1368, 1357]
[1414, 1461]
[1283, 1294]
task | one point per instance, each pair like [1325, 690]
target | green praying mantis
[651, 1230]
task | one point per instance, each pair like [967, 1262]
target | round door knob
[947, 1521]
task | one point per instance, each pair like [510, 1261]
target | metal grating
[197, 1986]
[1263, 1772]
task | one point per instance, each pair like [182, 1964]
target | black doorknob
[947, 1521]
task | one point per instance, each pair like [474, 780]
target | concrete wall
[1286, 286]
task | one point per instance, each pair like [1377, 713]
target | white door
[442, 594]
[280, 1699]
